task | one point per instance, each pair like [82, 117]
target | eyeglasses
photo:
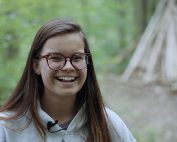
[56, 61]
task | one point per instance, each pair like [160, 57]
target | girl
[58, 98]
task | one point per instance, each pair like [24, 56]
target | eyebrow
[63, 54]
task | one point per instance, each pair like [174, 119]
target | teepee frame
[155, 57]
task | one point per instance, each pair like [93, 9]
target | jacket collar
[78, 121]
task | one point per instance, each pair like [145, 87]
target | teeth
[66, 78]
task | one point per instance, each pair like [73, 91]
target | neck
[62, 109]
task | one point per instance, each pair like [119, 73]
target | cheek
[83, 75]
[45, 77]
[46, 73]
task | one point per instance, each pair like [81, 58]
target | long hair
[30, 87]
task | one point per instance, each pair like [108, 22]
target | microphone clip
[50, 125]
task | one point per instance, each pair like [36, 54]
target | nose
[68, 65]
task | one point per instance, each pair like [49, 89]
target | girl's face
[66, 81]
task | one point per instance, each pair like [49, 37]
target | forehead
[66, 44]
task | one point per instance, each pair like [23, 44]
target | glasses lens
[56, 61]
[79, 61]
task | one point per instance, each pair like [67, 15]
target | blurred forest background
[113, 28]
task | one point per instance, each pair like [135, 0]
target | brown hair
[30, 87]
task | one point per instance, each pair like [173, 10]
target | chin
[67, 94]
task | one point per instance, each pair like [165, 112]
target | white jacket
[22, 130]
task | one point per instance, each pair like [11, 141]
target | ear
[36, 67]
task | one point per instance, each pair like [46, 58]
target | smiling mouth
[66, 78]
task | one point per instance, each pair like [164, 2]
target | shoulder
[112, 116]
[13, 124]
[117, 127]
[4, 116]
[2, 126]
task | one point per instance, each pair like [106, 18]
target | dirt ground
[149, 111]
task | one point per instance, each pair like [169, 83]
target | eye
[56, 58]
[78, 57]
